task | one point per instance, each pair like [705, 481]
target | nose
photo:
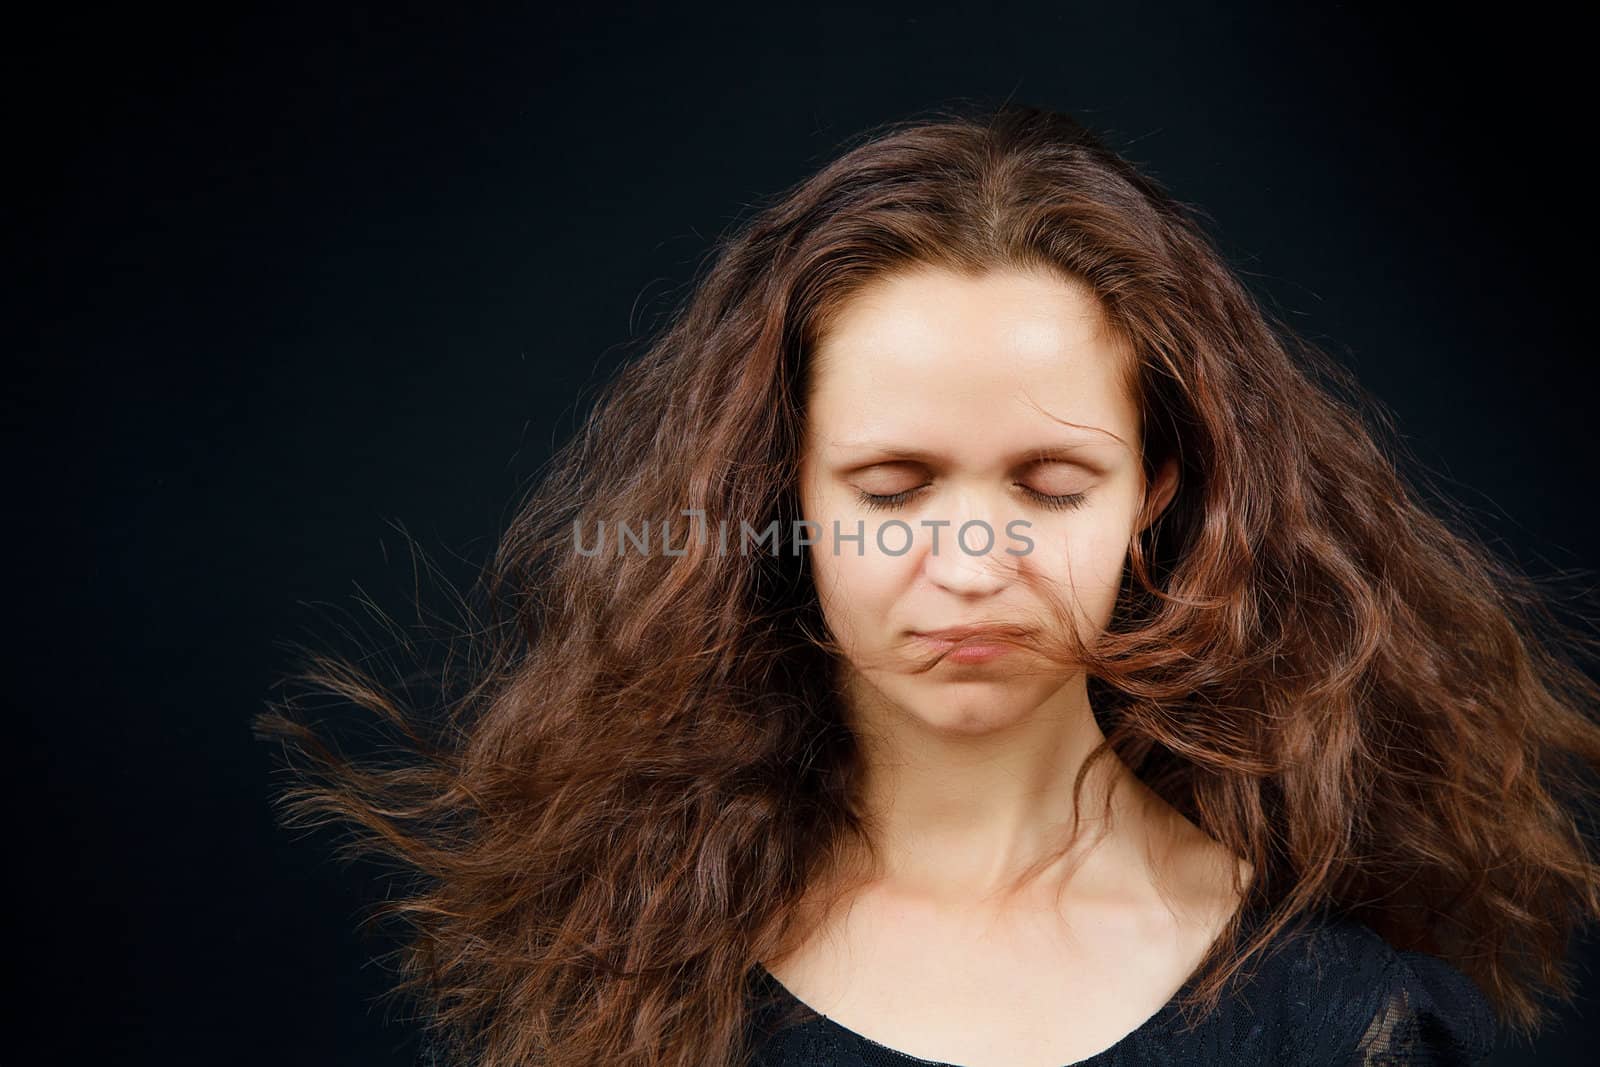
[973, 562]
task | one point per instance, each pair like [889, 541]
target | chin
[972, 706]
[970, 722]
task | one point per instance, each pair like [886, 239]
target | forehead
[936, 354]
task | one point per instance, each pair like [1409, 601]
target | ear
[1161, 490]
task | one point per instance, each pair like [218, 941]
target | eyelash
[1063, 502]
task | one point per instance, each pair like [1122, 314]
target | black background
[294, 278]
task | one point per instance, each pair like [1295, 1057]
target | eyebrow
[892, 453]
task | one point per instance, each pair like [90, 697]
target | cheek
[856, 592]
[1091, 565]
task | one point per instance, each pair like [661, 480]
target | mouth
[970, 644]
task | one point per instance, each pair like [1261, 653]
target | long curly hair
[638, 762]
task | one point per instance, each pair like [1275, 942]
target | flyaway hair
[638, 761]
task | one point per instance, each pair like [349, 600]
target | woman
[973, 634]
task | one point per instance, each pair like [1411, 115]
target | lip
[979, 630]
[969, 644]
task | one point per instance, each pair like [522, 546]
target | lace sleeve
[1430, 1015]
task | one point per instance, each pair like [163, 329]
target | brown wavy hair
[638, 761]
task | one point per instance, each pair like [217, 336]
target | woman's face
[993, 403]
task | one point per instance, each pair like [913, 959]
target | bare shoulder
[1202, 880]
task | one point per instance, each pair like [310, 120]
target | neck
[966, 818]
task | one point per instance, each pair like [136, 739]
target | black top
[1329, 992]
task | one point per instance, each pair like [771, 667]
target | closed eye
[1053, 501]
